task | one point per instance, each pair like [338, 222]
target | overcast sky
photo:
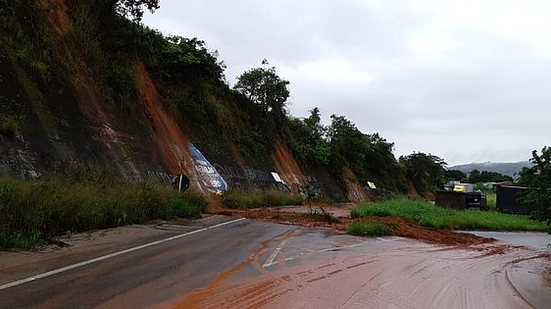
[465, 80]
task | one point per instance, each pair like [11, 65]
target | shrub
[250, 199]
[33, 212]
[10, 126]
[369, 229]
[188, 205]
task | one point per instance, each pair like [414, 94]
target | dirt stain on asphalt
[200, 298]
[446, 270]
[401, 276]
[319, 219]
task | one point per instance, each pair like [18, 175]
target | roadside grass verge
[432, 216]
[35, 212]
[253, 199]
[369, 229]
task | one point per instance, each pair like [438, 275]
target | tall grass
[491, 200]
[34, 212]
[252, 199]
[10, 125]
[369, 229]
[432, 216]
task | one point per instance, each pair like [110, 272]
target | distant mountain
[502, 168]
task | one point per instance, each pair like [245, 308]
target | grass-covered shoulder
[429, 215]
[253, 199]
[35, 212]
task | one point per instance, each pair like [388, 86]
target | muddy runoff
[319, 266]
[337, 219]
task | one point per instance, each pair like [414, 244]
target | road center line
[111, 255]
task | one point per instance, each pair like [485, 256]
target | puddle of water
[533, 240]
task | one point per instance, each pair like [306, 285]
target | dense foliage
[134, 9]
[455, 175]
[108, 41]
[34, 212]
[538, 180]
[476, 176]
[264, 87]
[342, 145]
[307, 138]
[425, 171]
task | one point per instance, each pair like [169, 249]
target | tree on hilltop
[264, 87]
[425, 171]
[134, 9]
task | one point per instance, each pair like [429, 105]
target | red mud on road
[448, 270]
[399, 226]
[400, 274]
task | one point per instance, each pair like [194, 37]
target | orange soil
[286, 165]
[197, 297]
[293, 218]
[91, 101]
[170, 139]
[356, 192]
[57, 15]
[399, 226]
[407, 228]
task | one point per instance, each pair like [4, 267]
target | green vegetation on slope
[104, 41]
[432, 216]
[34, 212]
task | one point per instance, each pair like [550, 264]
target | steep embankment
[92, 102]
[287, 166]
[101, 92]
[356, 192]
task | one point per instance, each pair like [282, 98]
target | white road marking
[111, 255]
[271, 262]
[271, 258]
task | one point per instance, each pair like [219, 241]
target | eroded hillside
[80, 84]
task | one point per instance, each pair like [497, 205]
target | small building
[508, 200]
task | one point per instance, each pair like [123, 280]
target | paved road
[147, 277]
[534, 240]
[229, 263]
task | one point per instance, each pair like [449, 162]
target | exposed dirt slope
[356, 192]
[172, 144]
[58, 16]
[286, 165]
[92, 102]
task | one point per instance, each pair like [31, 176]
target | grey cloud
[423, 80]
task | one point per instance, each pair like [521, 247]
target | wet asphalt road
[534, 240]
[249, 264]
[147, 277]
